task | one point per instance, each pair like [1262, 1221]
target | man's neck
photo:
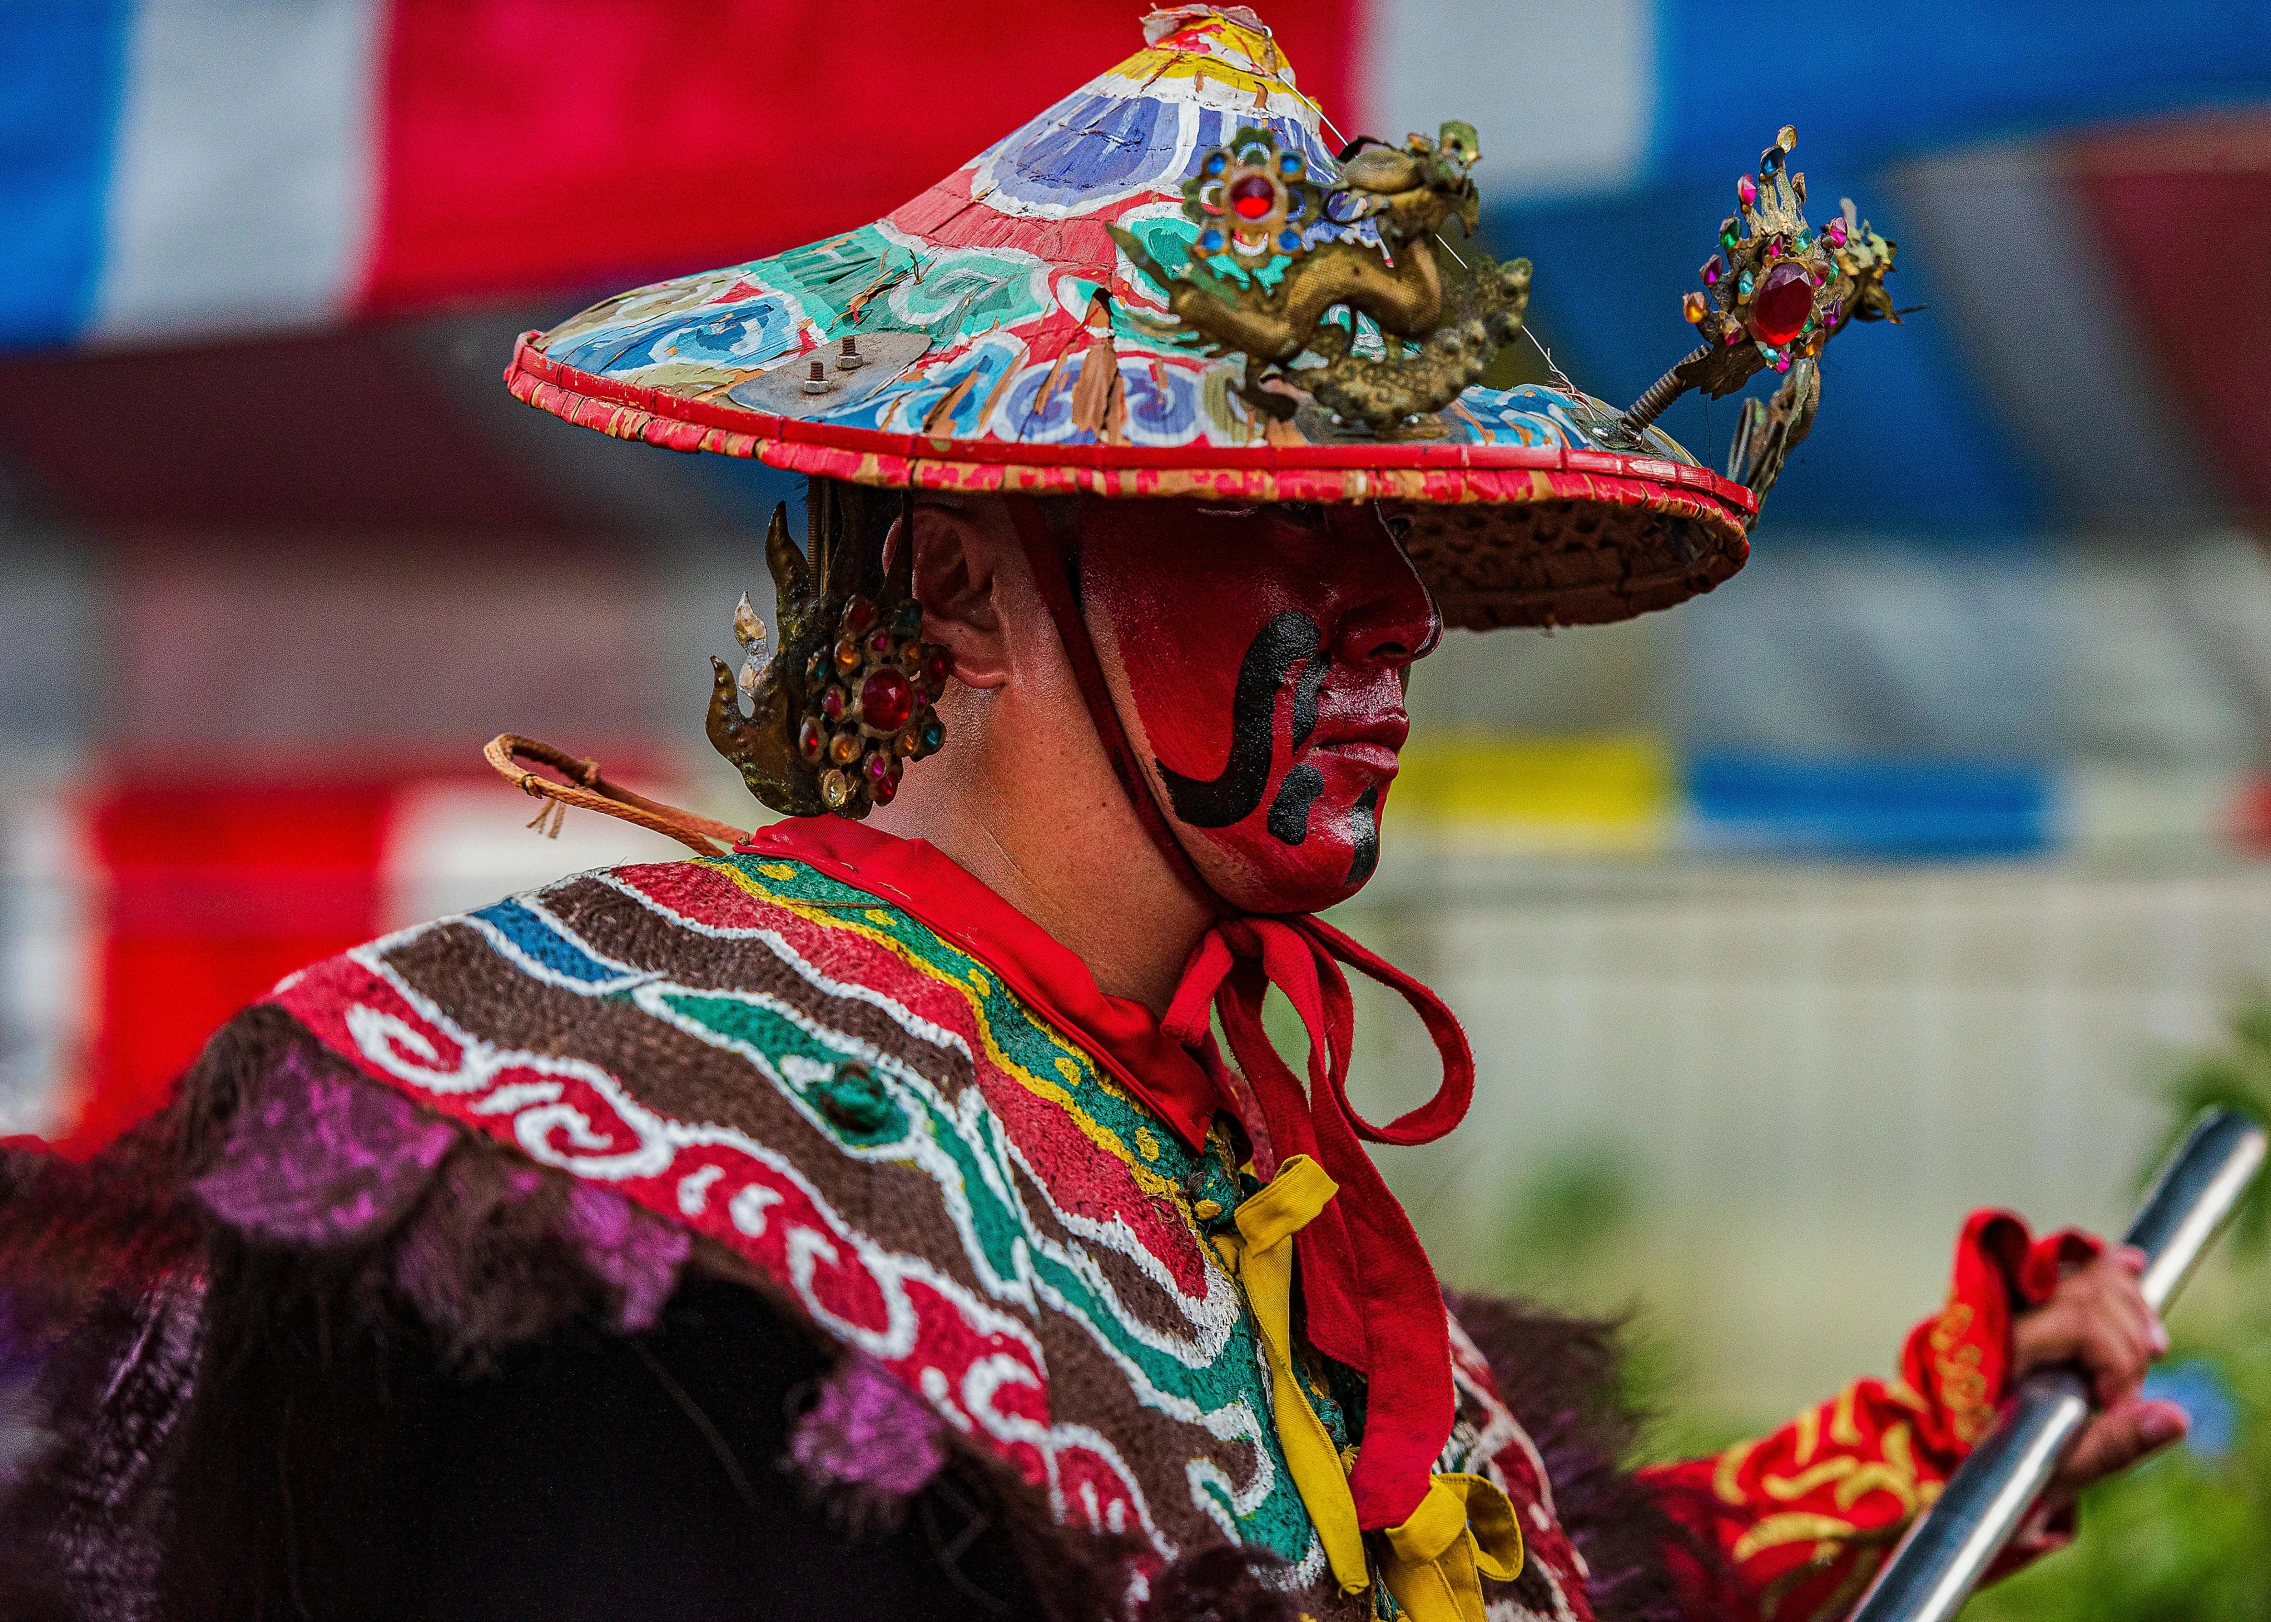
[1065, 849]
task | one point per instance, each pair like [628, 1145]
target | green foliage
[2239, 1077]
[1579, 1202]
[2185, 1538]
[1563, 1243]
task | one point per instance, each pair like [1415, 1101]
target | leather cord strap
[591, 791]
[1054, 555]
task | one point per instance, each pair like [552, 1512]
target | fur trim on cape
[283, 1201]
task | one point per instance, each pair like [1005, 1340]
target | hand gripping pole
[1952, 1544]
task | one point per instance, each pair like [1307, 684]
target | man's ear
[958, 554]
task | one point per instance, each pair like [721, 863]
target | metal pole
[1951, 1545]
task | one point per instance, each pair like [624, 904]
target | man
[868, 1221]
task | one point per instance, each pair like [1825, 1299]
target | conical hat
[1005, 343]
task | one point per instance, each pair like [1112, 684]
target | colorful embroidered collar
[1122, 1035]
[1371, 1298]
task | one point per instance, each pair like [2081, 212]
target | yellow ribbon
[1463, 1531]
[1463, 1527]
[1260, 1257]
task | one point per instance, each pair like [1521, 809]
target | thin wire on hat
[1560, 377]
[1277, 72]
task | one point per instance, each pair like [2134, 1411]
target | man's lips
[1372, 743]
[1378, 756]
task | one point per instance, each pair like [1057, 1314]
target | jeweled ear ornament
[1299, 273]
[846, 700]
[1773, 295]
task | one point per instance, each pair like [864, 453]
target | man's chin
[1318, 873]
[1355, 779]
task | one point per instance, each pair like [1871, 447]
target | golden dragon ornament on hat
[1170, 284]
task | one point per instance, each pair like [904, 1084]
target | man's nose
[1390, 633]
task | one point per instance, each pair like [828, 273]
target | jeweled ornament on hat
[1776, 297]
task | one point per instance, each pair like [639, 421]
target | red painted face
[1256, 657]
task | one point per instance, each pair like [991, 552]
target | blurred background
[1902, 875]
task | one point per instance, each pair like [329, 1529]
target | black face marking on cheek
[1364, 822]
[1280, 645]
[1289, 812]
[1305, 693]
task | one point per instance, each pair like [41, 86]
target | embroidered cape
[956, 1184]
[755, 1067]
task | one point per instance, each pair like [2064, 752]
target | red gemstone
[1252, 197]
[938, 664]
[859, 614]
[886, 701]
[1782, 304]
[832, 703]
[880, 644]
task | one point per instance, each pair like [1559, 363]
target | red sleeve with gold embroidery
[1802, 1518]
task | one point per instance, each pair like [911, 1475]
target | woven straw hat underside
[1499, 545]
[1564, 562]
